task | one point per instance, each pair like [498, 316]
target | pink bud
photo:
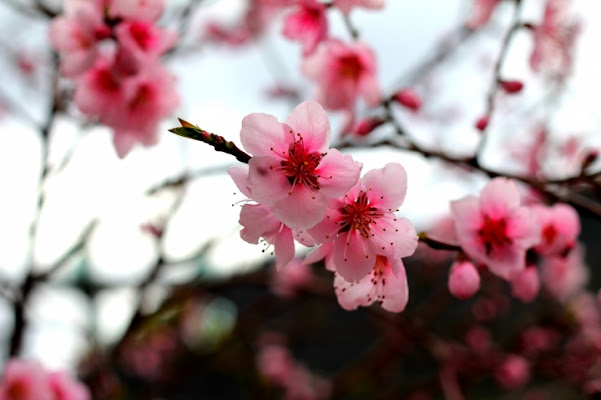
[482, 123]
[525, 284]
[367, 125]
[513, 373]
[408, 98]
[511, 86]
[464, 280]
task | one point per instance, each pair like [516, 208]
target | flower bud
[408, 98]
[367, 125]
[511, 86]
[482, 123]
[464, 280]
[526, 284]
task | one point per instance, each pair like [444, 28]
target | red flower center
[301, 165]
[350, 67]
[359, 215]
[494, 234]
[17, 390]
[549, 233]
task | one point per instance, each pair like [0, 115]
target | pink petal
[499, 196]
[524, 228]
[302, 209]
[338, 173]
[352, 294]
[393, 289]
[284, 248]
[239, 174]
[327, 229]
[386, 186]
[352, 256]
[466, 215]
[266, 184]
[258, 221]
[507, 262]
[311, 121]
[263, 135]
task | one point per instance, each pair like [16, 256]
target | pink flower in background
[75, 35]
[346, 5]
[495, 229]
[293, 171]
[514, 372]
[481, 13]
[141, 43]
[343, 74]
[526, 284]
[554, 40]
[24, 380]
[362, 224]
[464, 280]
[308, 24]
[386, 284]
[148, 10]
[560, 227]
[564, 276]
[290, 280]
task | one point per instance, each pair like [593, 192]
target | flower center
[494, 234]
[350, 67]
[301, 165]
[359, 215]
[549, 233]
[17, 390]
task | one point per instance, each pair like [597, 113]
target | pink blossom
[346, 5]
[293, 171]
[560, 227]
[525, 284]
[564, 276]
[511, 87]
[308, 24]
[495, 229]
[362, 224]
[24, 380]
[464, 280]
[514, 372]
[75, 36]
[141, 44]
[554, 40]
[148, 10]
[481, 13]
[64, 387]
[343, 73]
[385, 284]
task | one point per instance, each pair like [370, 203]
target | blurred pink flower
[288, 281]
[293, 171]
[307, 24]
[526, 284]
[560, 227]
[495, 229]
[481, 13]
[148, 10]
[514, 372]
[564, 276]
[64, 387]
[343, 73]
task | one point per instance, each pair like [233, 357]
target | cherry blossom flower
[343, 73]
[464, 280]
[293, 171]
[514, 372]
[554, 40]
[495, 229]
[290, 280]
[141, 43]
[308, 24]
[560, 227]
[346, 5]
[362, 224]
[481, 13]
[386, 284]
[75, 35]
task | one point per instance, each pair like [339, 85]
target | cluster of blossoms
[24, 380]
[112, 51]
[305, 190]
[518, 243]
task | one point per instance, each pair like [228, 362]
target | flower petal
[311, 121]
[302, 209]
[337, 173]
[386, 187]
[263, 135]
[352, 256]
[267, 185]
